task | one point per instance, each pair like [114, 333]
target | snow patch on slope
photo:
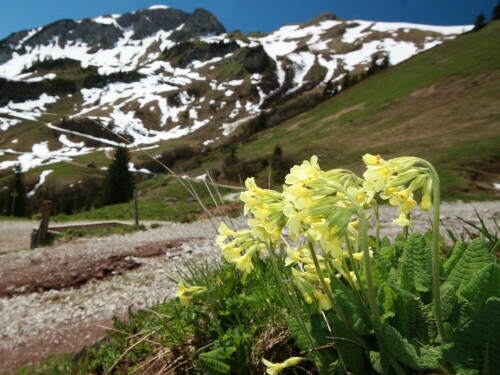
[43, 176]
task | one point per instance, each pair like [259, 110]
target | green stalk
[363, 240]
[322, 281]
[435, 250]
[354, 267]
[377, 227]
[291, 305]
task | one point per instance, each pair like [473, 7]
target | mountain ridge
[105, 31]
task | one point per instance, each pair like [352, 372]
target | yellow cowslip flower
[224, 230]
[230, 251]
[403, 164]
[327, 237]
[426, 203]
[183, 294]
[186, 294]
[305, 283]
[299, 255]
[294, 218]
[377, 176]
[353, 280]
[369, 159]
[276, 368]
[358, 194]
[293, 192]
[305, 173]
[402, 220]
[244, 262]
[356, 256]
[323, 301]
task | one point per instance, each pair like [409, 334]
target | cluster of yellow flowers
[319, 208]
[389, 180]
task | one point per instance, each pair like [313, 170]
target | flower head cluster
[321, 209]
[396, 180]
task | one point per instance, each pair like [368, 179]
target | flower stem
[354, 266]
[363, 239]
[322, 281]
[284, 290]
[435, 250]
[377, 226]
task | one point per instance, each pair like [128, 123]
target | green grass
[151, 204]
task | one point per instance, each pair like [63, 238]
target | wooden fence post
[39, 235]
[44, 225]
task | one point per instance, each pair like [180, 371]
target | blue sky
[249, 15]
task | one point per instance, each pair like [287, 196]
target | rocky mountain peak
[105, 31]
[201, 22]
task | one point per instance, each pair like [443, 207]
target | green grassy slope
[442, 105]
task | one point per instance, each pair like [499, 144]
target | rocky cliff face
[104, 32]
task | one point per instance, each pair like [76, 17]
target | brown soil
[64, 272]
[69, 338]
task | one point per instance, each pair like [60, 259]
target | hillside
[442, 105]
[197, 97]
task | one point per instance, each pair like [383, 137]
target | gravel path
[58, 299]
[35, 324]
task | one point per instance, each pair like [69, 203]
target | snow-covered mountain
[161, 74]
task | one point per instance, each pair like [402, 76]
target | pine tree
[480, 22]
[346, 81]
[18, 193]
[496, 12]
[328, 90]
[119, 183]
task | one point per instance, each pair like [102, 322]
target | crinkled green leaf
[483, 284]
[353, 311]
[399, 305]
[476, 345]
[456, 253]
[298, 334]
[381, 268]
[377, 363]
[214, 362]
[473, 259]
[416, 265]
[412, 355]
[385, 300]
[350, 347]
[448, 300]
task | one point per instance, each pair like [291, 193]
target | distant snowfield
[293, 48]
